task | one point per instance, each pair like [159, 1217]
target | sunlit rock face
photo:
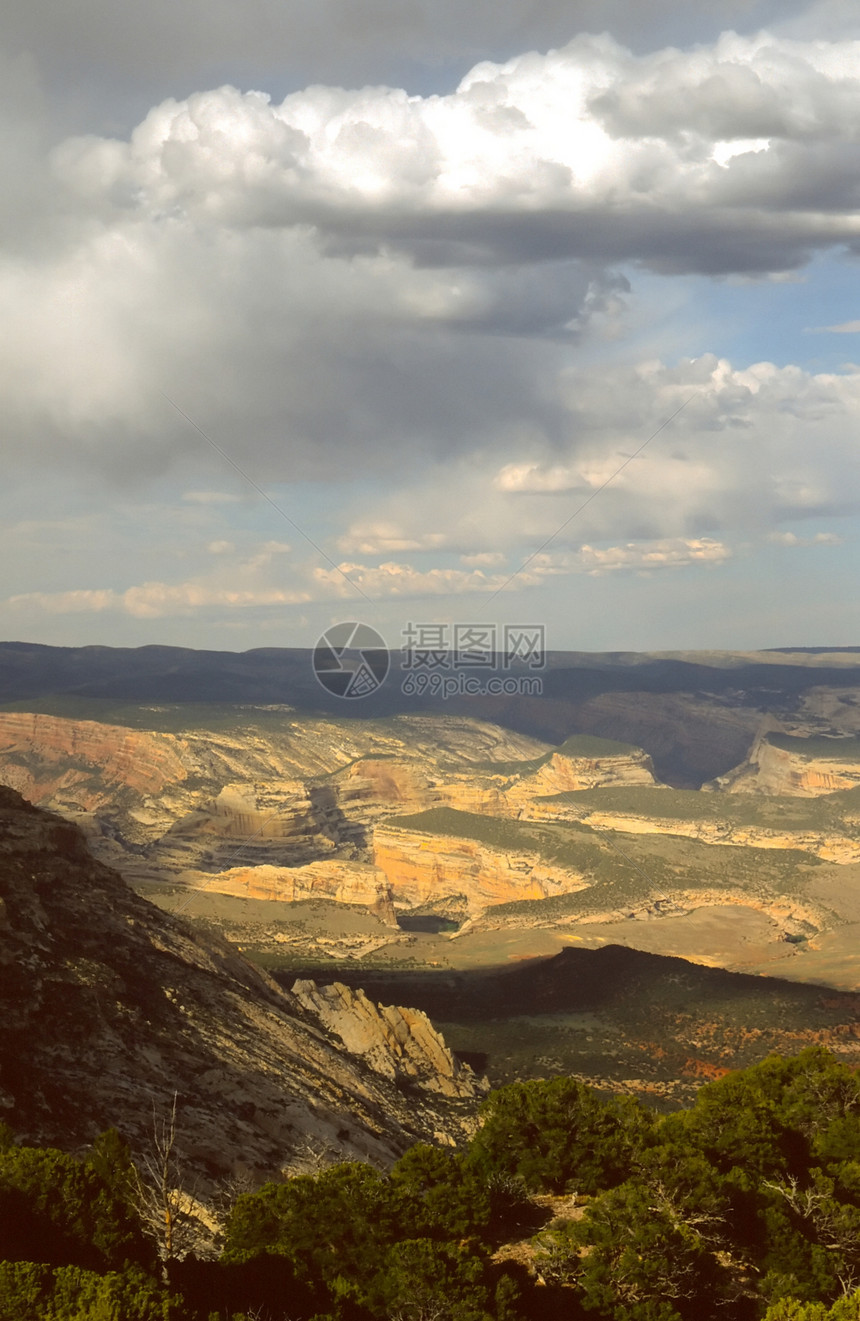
[83, 763]
[807, 767]
[400, 1044]
[424, 868]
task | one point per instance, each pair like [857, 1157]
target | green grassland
[827, 812]
[820, 748]
[160, 717]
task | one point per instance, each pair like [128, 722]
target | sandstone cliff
[832, 845]
[83, 765]
[346, 882]
[424, 867]
[803, 766]
[566, 772]
[294, 810]
[108, 1007]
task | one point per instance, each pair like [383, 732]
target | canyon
[301, 883]
[439, 835]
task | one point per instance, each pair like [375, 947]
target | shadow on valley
[695, 717]
[616, 1017]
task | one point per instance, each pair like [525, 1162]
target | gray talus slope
[109, 1006]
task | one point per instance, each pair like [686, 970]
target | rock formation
[424, 866]
[108, 1007]
[807, 767]
[830, 845]
[400, 1044]
[568, 773]
[81, 764]
[289, 810]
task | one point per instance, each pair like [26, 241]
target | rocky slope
[109, 1006]
[628, 1021]
[400, 1044]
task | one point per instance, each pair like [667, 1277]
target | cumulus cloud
[295, 363]
[736, 156]
[753, 448]
[406, 299]
[340, 277]
[103, 57]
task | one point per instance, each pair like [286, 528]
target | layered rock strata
[792, 770]
[829, 846]
[400, 1044]
[567, 774]
[422, 868]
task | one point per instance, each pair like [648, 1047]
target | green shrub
[559, 1136]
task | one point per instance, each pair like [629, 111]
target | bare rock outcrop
[796, 766]
[83, 764]
[830, 846]
[109, 1007]
[423, 867]
[346, 882]
[565, 774]
[400, 1044]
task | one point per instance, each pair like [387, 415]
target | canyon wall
[421, 868]
[773, 770]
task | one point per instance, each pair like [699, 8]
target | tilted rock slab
[398, 1043]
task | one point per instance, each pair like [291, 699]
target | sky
[430, 312]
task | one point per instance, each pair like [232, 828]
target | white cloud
[531, 477]
[383, 538]
[79, 601]
[706, 159]
[408, 300]
[639, 557]
[156, 600]
[393, 579]
[353, 42]
[844, 328]
[750, 445]
[751, 449]
[350, 275]
[792, 539]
